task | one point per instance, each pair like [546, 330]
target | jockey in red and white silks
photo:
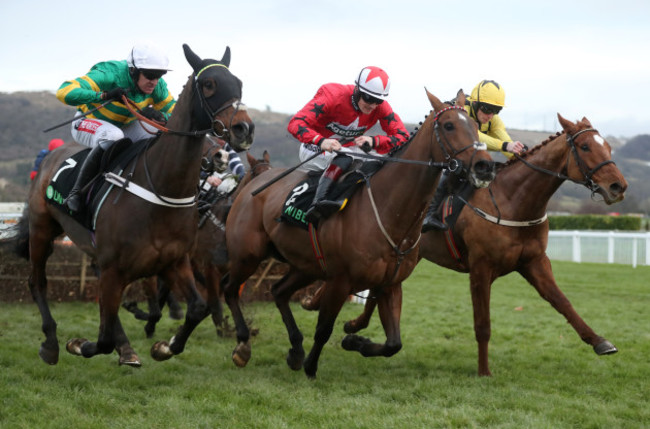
[334, 113]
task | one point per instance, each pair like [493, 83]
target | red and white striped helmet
[373, 81]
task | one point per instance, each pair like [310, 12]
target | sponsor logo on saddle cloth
[298, 201]
[301, 196]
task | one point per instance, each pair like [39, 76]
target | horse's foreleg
[213, 294]
[480, 284]
[282, 292]
[363, 320]
[540, 274]
[332, 300]
[240, 270]
[181, 275]
[389, 303]
[40, 249]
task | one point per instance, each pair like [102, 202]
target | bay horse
[135, 238]
[504, 228]
[210, 258]
[373, 241]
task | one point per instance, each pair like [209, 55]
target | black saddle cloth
[115, 159]
[301, 196]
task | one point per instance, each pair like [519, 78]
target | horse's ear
[251, 159]
[192, 58]
[225, 60]
[460, 98]
[435, 102]
[586, 121]
[566, 124]
[266, 157]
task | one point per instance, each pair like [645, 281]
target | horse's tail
[17, 237]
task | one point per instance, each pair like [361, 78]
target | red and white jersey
[333, 113]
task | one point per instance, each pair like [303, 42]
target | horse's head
[217, 100]
[591, 162]
[457, 138]
[258, 166]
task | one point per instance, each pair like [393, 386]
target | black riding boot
[320, 206]
[432, 219]
[87, 172]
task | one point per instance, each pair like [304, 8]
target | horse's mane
[396, 151]
[532, 151]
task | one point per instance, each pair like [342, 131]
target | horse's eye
[209, 88]
[585, 147]
[448, 126]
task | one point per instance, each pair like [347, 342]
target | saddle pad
[115, 159]
[298, 201]
[63, 181]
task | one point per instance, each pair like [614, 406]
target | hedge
[597, 222]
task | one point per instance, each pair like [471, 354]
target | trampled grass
[544, 376]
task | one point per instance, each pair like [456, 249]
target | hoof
[295, 359]
[354, 342]
[160, 351]
[242, 354]
[49, 356]
[73, 346]
[130, 360]
[605, 348]
[309, 304]
[350, 327]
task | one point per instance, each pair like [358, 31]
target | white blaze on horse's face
[599, 140]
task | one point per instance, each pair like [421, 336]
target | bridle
[454, 165]
[587, 173]
[217, 126]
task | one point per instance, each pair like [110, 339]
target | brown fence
[71, 277]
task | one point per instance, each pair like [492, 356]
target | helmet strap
[356, 95]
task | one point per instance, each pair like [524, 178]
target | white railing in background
[609, 247]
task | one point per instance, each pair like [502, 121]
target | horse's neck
[527, 190]
[402, 191]
[173, 163]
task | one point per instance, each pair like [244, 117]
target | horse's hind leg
[540, 275]
[282, 292]
[40, 249]
[389, 303]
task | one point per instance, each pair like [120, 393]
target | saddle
[301, 196]
[115, 159]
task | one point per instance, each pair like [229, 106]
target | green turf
[544, 376]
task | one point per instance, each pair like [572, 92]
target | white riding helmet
[374, 81]
[146, 56]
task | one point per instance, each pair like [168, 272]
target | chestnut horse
[373, 241]
[210, 258]
[510, 232]
[135, 238]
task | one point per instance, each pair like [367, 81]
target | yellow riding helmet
[489, 92]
